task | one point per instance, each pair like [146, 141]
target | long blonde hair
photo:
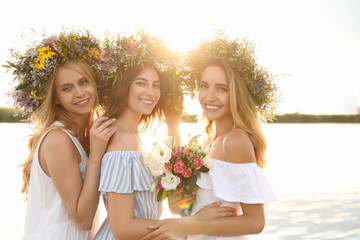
[243, 110]
[48, 112]
[118, 97]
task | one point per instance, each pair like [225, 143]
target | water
[312, 167]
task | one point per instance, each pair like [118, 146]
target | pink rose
[187, 172]
[179, 166]
[180, 182]
[103, 55]
[186, 150]
[168, 166]
[178, 153]
[197, 163]
[159, 185]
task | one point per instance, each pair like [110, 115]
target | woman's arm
[173, 119]
[251, 222]
[60, 161]
[124, 224]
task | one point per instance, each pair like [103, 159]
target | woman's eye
[221, 89]
[83, 82]
[140, 83]
[203, 86]
[156, 86]
[66, 89]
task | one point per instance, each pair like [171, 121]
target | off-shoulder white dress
[231, 183]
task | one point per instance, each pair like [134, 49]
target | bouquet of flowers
[176, 168]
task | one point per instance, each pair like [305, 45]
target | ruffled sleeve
[235, 182]
[124, 172]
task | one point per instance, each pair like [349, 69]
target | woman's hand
[176, 202]
[100, 133]
[214, 210]
[167, 229]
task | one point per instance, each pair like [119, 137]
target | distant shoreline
[10, 115]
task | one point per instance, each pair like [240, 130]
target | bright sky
[313, 45]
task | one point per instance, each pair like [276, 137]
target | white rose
[161, 153]
[170, 182]
[156, 168]
[207, 161]
[193, 146]
[170, 142]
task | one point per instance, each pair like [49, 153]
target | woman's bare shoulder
[123, 140]
[238, 147]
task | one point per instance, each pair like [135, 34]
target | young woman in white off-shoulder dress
[237, 150]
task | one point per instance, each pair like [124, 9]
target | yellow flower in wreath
[33, 93]
[45, 53]
[38, 63]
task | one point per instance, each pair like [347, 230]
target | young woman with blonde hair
[232, 89]
[60, 180]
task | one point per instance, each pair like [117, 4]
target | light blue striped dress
[125, 172]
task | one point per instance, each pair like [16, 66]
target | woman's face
[74, 92]
[144, 91]
[214, 93]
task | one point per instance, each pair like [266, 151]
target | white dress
[231, 183]
[46, 214]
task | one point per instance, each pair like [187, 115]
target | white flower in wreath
[207, 161]
[170, 181]
[161, 153]
[156, 168]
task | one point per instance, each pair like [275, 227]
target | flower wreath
[238, 53]
[123, 52]
[37, 65]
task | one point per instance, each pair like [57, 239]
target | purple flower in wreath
[28, 105]
[33, 53]
[55, 37]
[52, 44]
[259, 85]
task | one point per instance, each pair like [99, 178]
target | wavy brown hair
[49, 112]
[118, 97]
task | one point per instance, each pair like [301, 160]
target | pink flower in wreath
[103, 55]
[187, 172]
[179, 166]
[168, 166]
[198, 163]
[133, 49]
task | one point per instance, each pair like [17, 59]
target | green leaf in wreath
[21, 86]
